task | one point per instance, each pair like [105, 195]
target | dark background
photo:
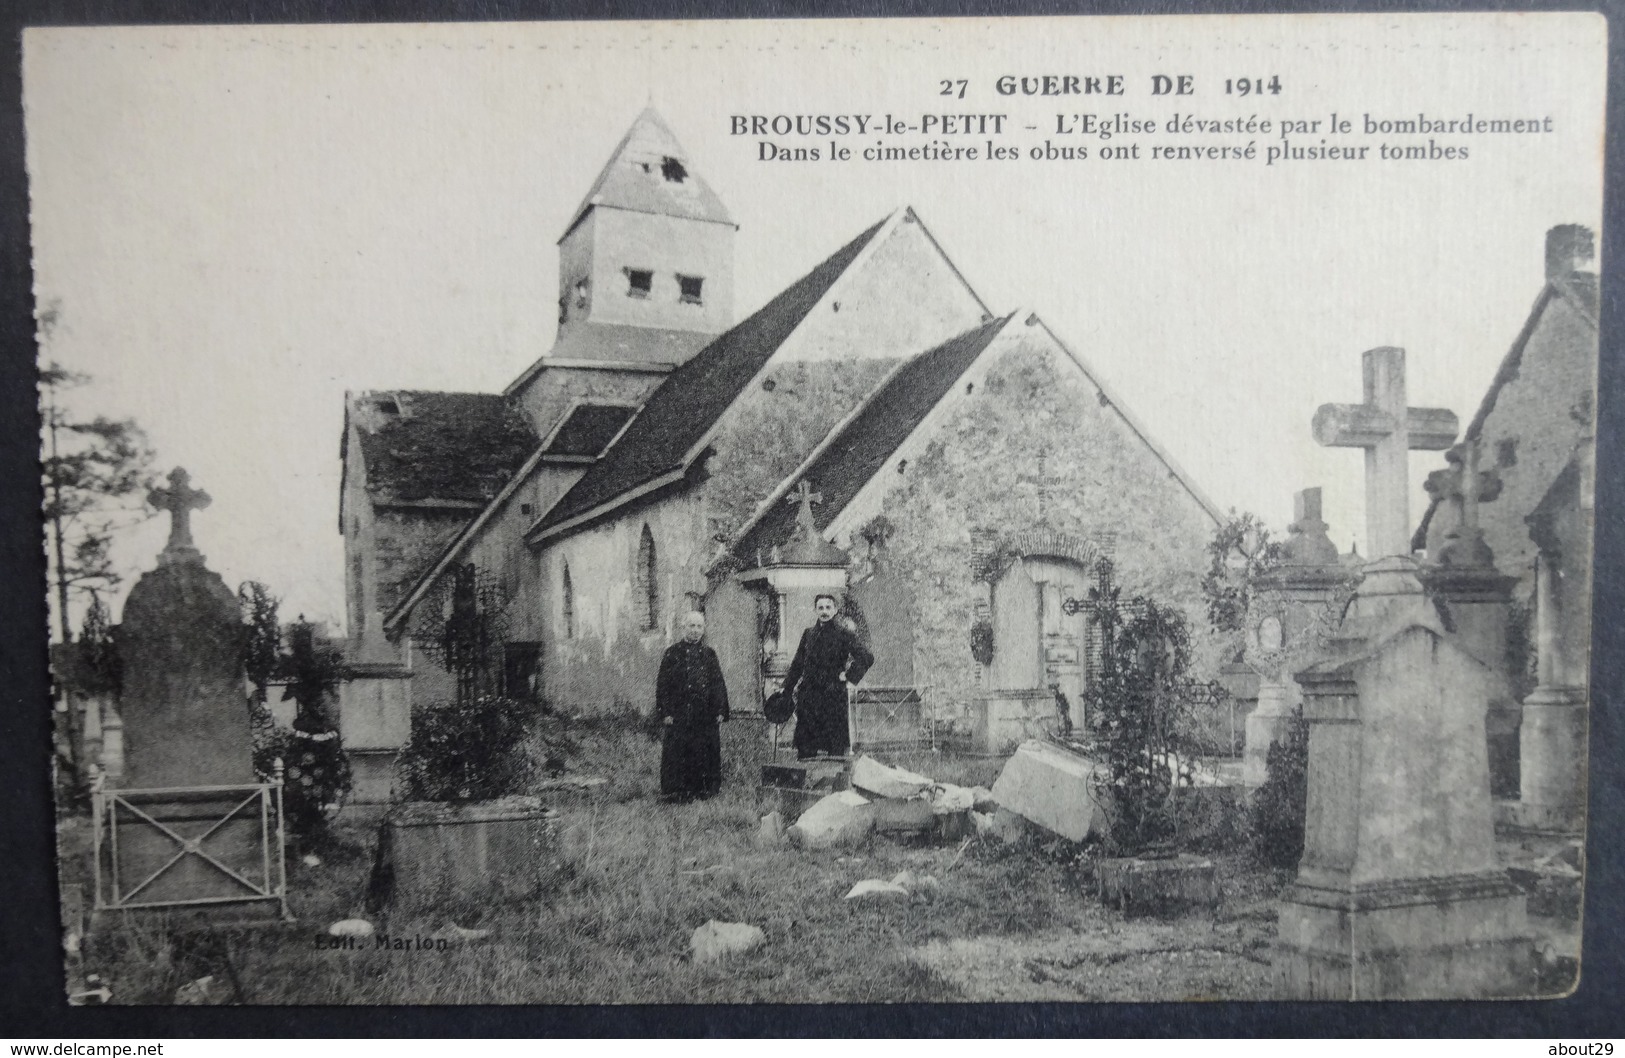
[32, 1002]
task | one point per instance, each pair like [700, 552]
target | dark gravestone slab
[184, 704]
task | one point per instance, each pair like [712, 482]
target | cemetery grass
[1012, 921]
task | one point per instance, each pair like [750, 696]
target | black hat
[778, 708]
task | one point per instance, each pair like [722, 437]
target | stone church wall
[1033, 448]
[601, 656]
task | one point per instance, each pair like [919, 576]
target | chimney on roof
[1569, 248]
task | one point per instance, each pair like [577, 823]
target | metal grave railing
[116, 811]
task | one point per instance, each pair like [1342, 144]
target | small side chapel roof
[863, 445]
[649, 173]
[458, 447]
[694, 396]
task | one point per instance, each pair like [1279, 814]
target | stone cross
[804, 495]
[1464, 487]
[1387, 428]
[180, 500]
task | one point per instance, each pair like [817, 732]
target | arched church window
[567, 596]
[646, 582]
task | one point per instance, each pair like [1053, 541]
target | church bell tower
[646, 264]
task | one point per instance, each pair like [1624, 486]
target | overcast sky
[241, 223]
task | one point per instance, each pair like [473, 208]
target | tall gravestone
[1399, 894]
[1290, 606]
[186, 730]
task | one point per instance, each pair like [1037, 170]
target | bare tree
[95, 472]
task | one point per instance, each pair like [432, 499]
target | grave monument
[187, 824]
[1399, 894]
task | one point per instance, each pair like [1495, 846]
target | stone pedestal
[1286, 623]
[375, 721]
[1266, 725]
[1477, 600]
[1399, 894]
[1005, 719]
[1553, 759]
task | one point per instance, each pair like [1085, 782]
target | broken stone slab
[837, 819]
[719, 940]
[1001, 823]
[1054, 788]
[820, 774]
[1140, 884]
[879, 780]
[946, 798]
[771, 830]
[874, 887]
[913, 816]
[952, 826]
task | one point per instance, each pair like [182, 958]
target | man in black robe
[827, 661]
[691, 700]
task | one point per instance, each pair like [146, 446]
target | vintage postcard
[963, 510]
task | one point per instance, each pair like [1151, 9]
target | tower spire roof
[650, 173]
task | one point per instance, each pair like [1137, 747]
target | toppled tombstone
[838, 819]
[719, 940]
[874, 887]
[873, 777]
[771, 830]
[350, 927]
[791, 788]
[1054, 788]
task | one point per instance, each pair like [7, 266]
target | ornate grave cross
[1464, 487]
[1387, 428]
[806, 497]
[180, 500]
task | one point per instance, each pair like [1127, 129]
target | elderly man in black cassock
[827, 661]
[691, 700]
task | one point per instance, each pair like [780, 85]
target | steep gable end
[858, 448]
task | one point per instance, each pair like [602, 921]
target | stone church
[876, 430]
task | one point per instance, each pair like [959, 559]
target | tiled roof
[649, 173]
[588, 430]
[857, 452]
[694, 396]
[460, 447]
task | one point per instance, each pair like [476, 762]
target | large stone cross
[180, 500]
[1387, 428]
